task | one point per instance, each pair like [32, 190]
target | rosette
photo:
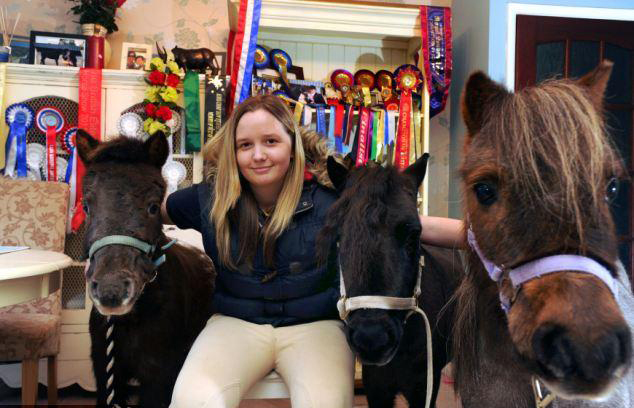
[280, 60]
[34, 174]
[261, 58]
[68, 141]
[48, 117]
[364, 78]
[174, 173]
[130, 124]
[384, 79]
[35, 154]
[175, 122]
[408, 77]
[60, 169]
[19, 117]
[342, 79]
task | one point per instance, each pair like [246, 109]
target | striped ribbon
[242, 44]
[3, 135]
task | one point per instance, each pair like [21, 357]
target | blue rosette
[47, 117]
[19, 117]
[261, 58]
[280, 60]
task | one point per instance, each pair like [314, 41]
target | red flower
[156, 78]
[173, 80]
[150, 109]
[164, 113]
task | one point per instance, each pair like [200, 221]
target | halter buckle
[541, 401]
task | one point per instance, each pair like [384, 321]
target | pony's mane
[364, 204]
[121, 150]
[553, 143]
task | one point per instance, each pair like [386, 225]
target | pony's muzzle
[592, 367]
[375, 340]
[111, 292]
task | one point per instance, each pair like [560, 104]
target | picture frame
[20, 46]
[135, 56]
[61, 49]
[298, 71]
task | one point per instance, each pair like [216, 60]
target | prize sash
[215, 88]
[191, 89]
[436, 46]
[362, 136]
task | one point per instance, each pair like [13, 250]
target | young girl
[259, 212]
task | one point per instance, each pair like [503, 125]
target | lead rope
[345, 305]
[110, 329]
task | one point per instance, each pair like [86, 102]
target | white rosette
[35, 156]
[175, 123]
[34, 174]
[131, 125]
[174, 173]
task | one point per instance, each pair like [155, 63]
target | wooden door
[548, 47]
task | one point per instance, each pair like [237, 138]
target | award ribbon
[375, 133]
[308, 117]
[50, 121]
[89, 119]
[436, 46]
[19, 117]
[297, 113]
[321, 120]
[243, 43]
[417, 136]
[407, 79]
[380, 135]
[3, 80]
[350, 117]
[215, 88]
[391, 134]
[331, 126]
[191, 86]
[69, 142]
[362, 136]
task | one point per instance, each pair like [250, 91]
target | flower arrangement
[97, 12]
[161, 95]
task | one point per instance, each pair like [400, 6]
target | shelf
[358, 20]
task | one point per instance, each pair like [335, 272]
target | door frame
[513, 9]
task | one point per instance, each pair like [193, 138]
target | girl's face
[263, 149]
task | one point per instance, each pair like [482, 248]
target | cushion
[28, 335]
[33, 213]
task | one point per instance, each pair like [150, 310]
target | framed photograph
[20, 46]
[57, 49]
[298, 71]
[135, 56]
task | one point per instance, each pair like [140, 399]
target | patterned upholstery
[33, 213]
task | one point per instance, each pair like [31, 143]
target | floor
[76, 397]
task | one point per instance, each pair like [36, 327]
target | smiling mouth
[261, 169]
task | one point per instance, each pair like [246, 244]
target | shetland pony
[376, 226]
[538, 173]
[157, 311]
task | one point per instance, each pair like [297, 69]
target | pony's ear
[338, 173]
[596, 81]
[418, 169]
[479, 92]
[85, 145]
[157, 149]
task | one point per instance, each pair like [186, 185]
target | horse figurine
[150, 299]
[376, 226]
[196, 59]
[544, 315]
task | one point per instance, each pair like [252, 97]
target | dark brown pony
[157, 311]
[376, 227]
[538, 174]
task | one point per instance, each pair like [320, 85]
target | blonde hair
[234, 202]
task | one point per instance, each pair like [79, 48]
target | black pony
[377, 229]
[157, 312]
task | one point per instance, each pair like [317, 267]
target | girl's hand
[443, 232]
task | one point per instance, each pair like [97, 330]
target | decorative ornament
[48, 117]
[174, 173]
[130, 124]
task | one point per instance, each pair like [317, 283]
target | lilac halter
[539, 267]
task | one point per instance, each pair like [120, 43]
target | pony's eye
[153, 209]
[612, 190]
[486, 192]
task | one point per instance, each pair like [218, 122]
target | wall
[190, 23]
[470, 37]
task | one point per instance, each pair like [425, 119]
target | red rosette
[408, 77]
[365, 78]
[342, 78]
[69, 141]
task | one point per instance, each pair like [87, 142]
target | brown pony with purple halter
[538, 174]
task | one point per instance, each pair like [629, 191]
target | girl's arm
[444, 232]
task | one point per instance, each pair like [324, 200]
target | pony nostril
[129, 287]
[371, 338]
[93, 287]
[553, 351]
[625, 342]
[614, 350]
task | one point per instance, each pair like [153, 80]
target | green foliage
[96, 12]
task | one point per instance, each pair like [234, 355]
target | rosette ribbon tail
[403, 134]
[192, 111]
[71, 178]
